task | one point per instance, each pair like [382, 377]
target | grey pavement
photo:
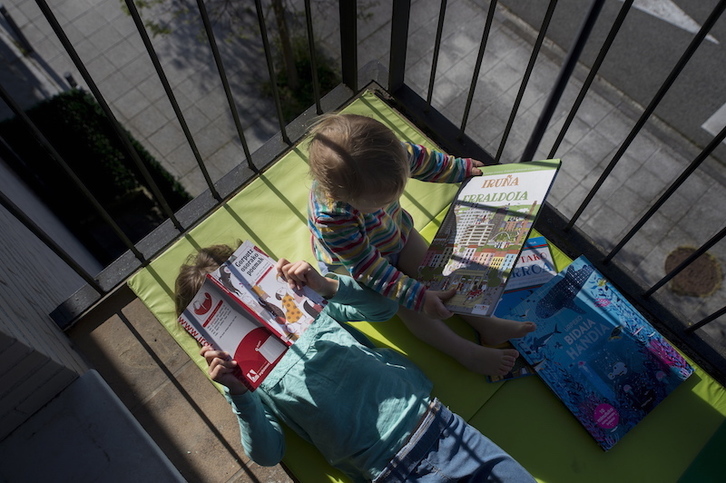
[109, 45]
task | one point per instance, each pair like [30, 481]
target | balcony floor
[166, 392]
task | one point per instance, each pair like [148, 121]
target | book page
[250, 277]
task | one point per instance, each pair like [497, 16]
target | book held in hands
[244, 309]
[482, 235]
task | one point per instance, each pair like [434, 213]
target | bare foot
[494, 331]
[489, 361]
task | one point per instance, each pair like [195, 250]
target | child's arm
[299, 274]
[261, 434]
[342, 234]
[435, 166]
[349, 301]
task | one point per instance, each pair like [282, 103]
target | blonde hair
[192, 273]
[353, 156]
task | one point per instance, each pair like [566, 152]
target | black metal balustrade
[563, 231]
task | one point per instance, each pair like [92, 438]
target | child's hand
[475, 171]
[299, 274]
[434, 303]
[222, 369]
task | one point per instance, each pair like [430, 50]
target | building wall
[37, 360]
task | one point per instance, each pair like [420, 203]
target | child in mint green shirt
[368, 410]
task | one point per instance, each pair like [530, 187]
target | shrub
[76, 127]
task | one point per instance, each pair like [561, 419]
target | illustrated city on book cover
[244, 309]
[482, 235]
[601, 357]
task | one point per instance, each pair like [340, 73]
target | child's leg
[493, 331]
[475, 357]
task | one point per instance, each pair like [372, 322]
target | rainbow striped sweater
[367, 244]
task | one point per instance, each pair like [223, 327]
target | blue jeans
[444, 448]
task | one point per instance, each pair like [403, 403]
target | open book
[245, 310]
[482, 235]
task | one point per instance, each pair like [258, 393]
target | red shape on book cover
[244, 309]
[250, 356]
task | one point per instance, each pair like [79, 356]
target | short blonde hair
[352, 156]
[193, 272]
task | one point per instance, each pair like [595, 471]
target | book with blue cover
[601, 357]
[534, 267]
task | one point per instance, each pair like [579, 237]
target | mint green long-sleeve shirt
[356, 403]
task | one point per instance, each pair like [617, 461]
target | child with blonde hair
[360, 170]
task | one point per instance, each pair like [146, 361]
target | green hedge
[76, 127]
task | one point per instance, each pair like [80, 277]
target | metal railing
[563, 231]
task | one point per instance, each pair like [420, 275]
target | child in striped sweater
[359, 170]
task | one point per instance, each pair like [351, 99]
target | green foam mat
[522, 415]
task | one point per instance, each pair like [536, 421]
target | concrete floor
[166, 392]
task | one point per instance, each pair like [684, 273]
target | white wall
[36, 358]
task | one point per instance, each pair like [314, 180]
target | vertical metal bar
[271, 70]
[348, 10]
[227, 91]
[313, 60]
[703, 249]
[715, 142]
[562, 79]
[695, 43]
[706, 320]
[525, 79]
[74, 179]
[593, 72]
[437, 47]
[49, 242]
[109, 114]
[170, 94]
[477, 65]
[400, 18]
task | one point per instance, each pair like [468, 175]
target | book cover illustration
[215, 319]
[535, 266]
[249, 276]
[245, 310]
[481, 236]
[606, 362]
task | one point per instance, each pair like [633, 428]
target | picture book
[481, 236]
[601, 357]
[244, 309]
[535, 266]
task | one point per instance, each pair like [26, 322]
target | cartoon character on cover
[562, 294]
[475, 292]
[292, 312]
[276, 312]
[225, 276]
[533, 344]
